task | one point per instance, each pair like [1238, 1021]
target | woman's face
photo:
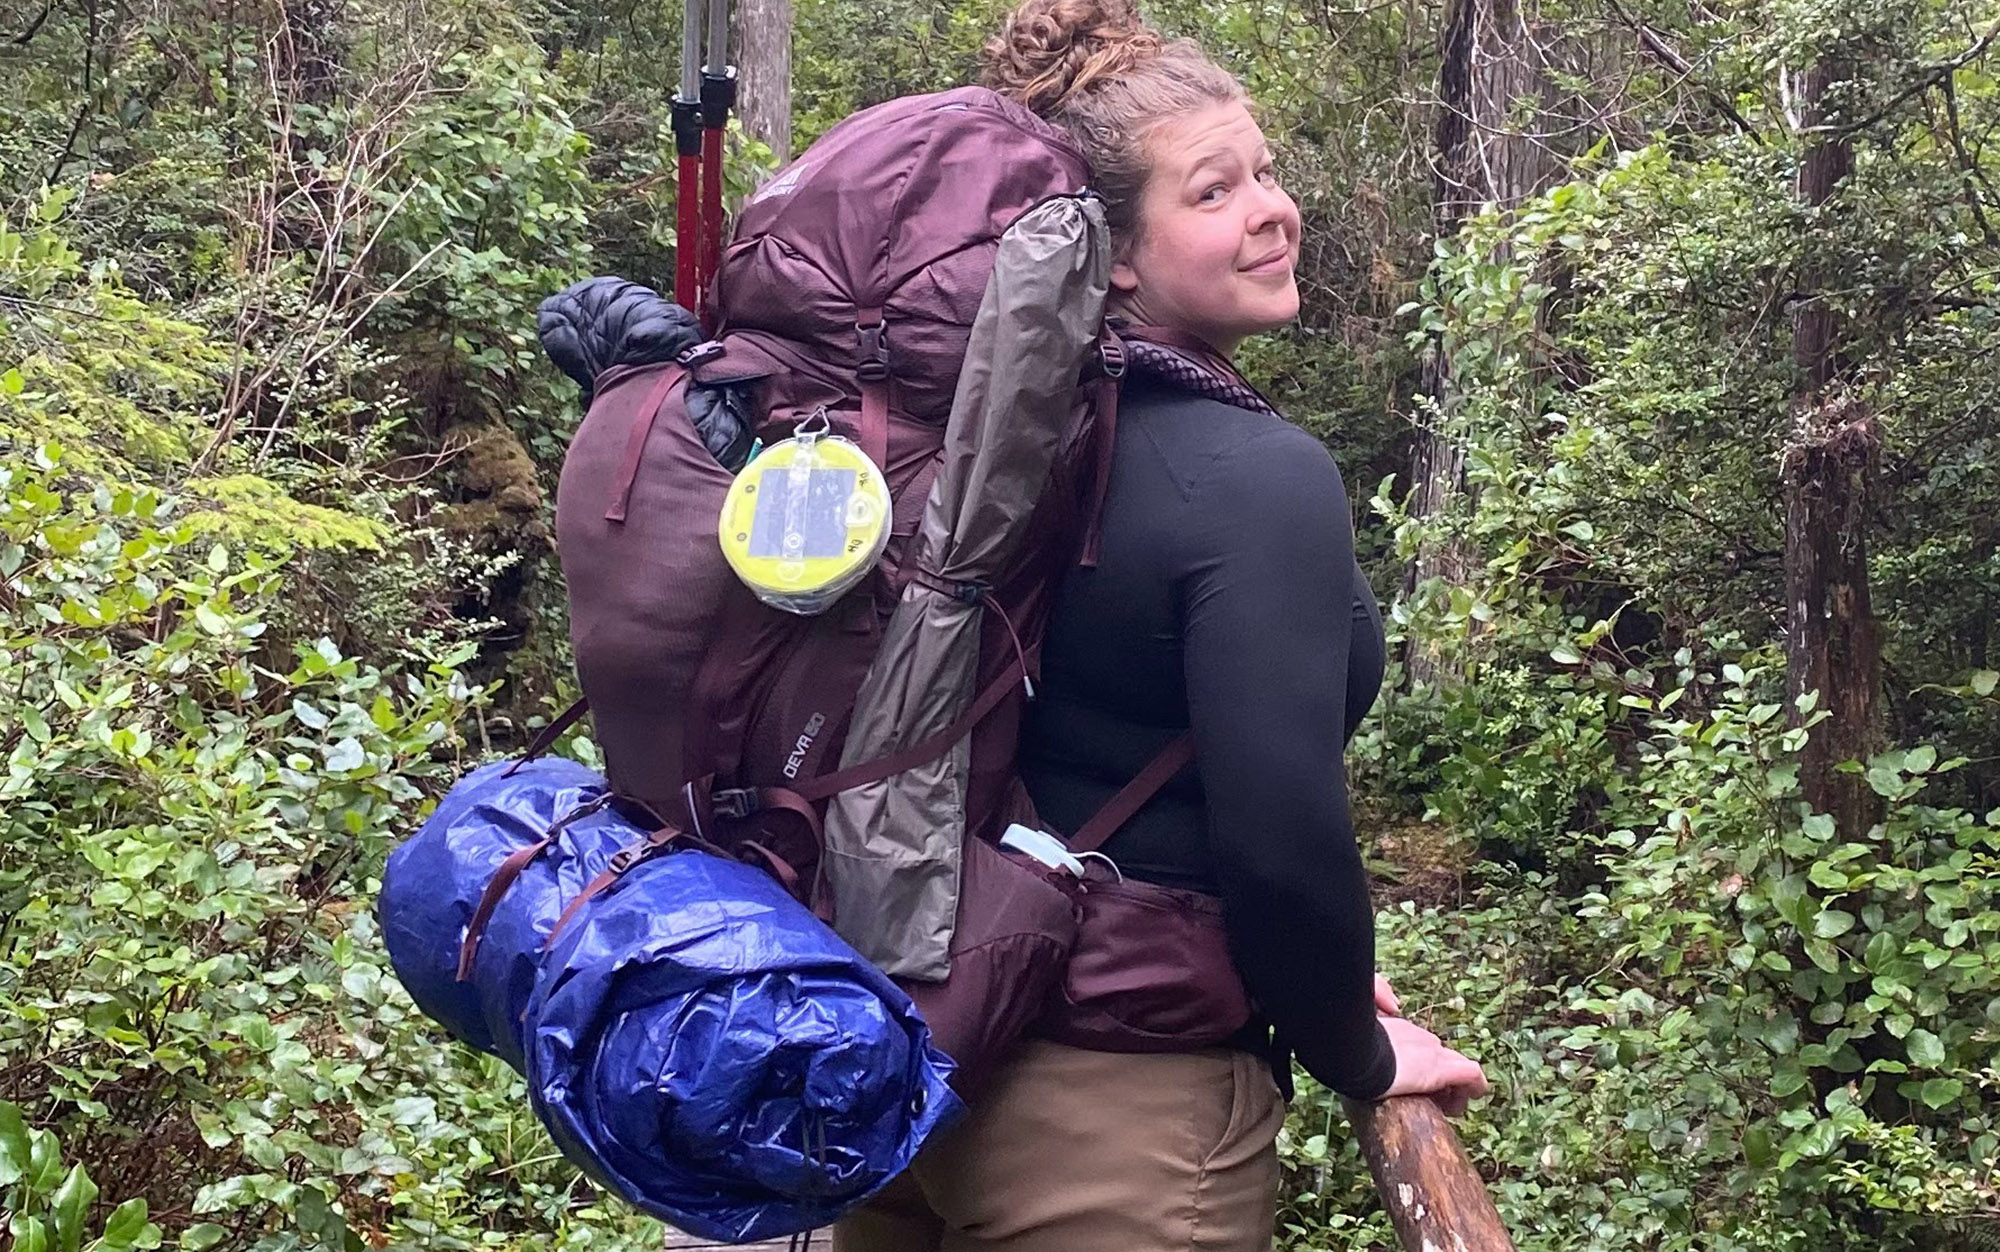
[1217, 238]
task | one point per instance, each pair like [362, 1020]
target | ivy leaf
[213, 1132]
[1884, 781]
[1833, 923]
[1924, 1048]
[1832, 877]
[44, 1160]
[319, 1217]
[126, 1223]
[1757, 1148]
[412, 1110]
[1939, 1092]
[202, 1236]
[13, 1144]
[1984, 681]
[1818, 1140]
[345, 755]
[1918, 760]
[1788, 896]
[71, 1205]
[30, 1234]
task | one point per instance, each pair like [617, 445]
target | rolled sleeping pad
[695, 1040]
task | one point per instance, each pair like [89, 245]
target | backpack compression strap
[741, 802]
[635, 443]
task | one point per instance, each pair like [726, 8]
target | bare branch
[25, 37]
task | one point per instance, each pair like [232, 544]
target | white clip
[1042, 846]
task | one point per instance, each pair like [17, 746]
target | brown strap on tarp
[546, 737]
[504, 876]
[496, 887]
[1133, 795]
[624, 859]
[635, 443]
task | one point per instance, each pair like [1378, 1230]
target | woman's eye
[1215, 192]
[1267, 175]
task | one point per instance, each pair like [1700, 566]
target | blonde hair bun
[1098, 71]
[1048, 52]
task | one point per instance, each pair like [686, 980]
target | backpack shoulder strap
[1133, 795]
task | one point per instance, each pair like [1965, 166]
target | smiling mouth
[1270, 264]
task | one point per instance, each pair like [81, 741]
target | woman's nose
[1272, 207]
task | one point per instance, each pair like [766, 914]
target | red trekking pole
[688, 236]
[718, 94]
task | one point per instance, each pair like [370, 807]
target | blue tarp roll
[695, 1040]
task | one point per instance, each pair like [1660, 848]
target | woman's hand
[1386, 1002]
[1424, 1066]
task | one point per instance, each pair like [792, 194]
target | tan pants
[1076, 1151]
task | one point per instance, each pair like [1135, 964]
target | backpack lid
[892, 216]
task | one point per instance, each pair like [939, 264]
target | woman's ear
[1124, 279]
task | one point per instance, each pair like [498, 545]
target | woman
[1226, 598]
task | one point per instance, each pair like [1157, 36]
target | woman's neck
[1130, 310]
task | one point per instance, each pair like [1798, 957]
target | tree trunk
[764, 72]
[1832, 646]
[1479, 156]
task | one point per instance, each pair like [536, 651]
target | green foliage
[191, 980]
[46, 1207]
[249, 319]
[1756, 1032]
[487, 205]
[90, 365]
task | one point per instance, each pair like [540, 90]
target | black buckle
[1111, 355]
[874, 343]
[733, 802]
[632, 853]
[702, 353]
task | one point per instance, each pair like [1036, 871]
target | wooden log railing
[1435, 1199]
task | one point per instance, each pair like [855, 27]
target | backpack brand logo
[782, 185]
[814, 725]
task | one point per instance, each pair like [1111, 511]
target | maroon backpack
[851, 284]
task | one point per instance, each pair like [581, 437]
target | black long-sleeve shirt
[1227, 598]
